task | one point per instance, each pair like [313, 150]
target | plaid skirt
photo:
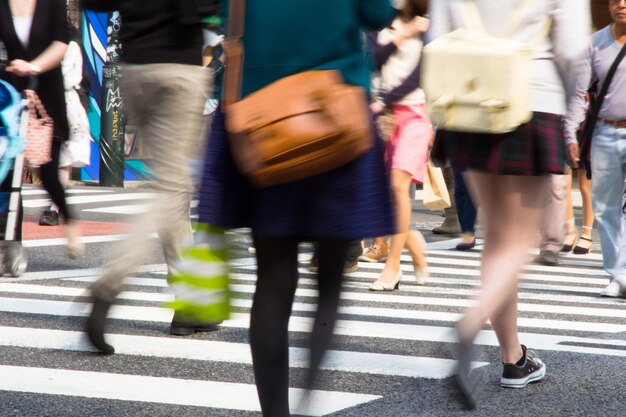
[535, 148]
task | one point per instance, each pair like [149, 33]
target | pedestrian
[466, 212]
[579, 243]
[508, 173]
[35, 34]
[552, 226]
[608, 154]
[451, 224]
[164, 88]
[75, 152]
[397, 50]
[331, 209]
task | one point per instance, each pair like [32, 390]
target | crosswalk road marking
[559, 311]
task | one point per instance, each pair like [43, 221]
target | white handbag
[475, 82]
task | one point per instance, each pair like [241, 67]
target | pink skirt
[407, 149]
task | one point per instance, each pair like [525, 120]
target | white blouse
[22, 26]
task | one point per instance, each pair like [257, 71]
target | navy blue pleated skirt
[350, 202]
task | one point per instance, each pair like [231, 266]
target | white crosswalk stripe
[42, 312]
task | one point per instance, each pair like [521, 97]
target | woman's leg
[570, 222]
[512, 206]
[400, 183]
[587, 224]
[49, 174]
[277, 278]
[50, 180]
[332, 255]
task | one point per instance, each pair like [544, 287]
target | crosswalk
[406, 334]
[93, 199]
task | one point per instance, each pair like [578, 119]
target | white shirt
[22, 26]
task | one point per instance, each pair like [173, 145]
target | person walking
[397, 51]
[579, 243]
[35, 34]
[466, 211]
[552, 225]
[164, 88]
[508, 173]
[75, 152]
[332, 208]
[608, 150]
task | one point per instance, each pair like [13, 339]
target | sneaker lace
[373, 249]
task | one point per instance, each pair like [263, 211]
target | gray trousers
[165, 102]
[553, 220]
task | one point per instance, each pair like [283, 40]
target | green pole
[113, 119]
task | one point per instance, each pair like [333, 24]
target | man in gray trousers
[164, 88]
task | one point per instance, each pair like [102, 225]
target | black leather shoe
[49, 218]
[466, 245]
[94, 327]
[182, 326]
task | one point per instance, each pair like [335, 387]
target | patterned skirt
[350, 202]
[535, 148]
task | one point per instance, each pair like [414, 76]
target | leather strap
[234, 52]
[35, 104]
[591, 123]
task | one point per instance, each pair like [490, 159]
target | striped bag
[200, 277]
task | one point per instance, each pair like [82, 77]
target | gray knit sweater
[556, 58]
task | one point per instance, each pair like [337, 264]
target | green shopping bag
[199, 279]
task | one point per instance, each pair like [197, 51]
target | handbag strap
[35, 104]
[234, 52]
[591, 123]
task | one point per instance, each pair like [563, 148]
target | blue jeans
[608, 167]
[464, 205]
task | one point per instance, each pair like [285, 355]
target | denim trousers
[608, 167]
[465, 209]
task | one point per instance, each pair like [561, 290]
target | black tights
[277, 263]
[49, 174]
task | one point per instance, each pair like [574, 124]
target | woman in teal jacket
[282, 38]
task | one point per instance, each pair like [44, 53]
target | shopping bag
[435, 192]
[199, 279]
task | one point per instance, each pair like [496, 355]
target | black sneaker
[183, 326]
[49, 218]
[518, 376]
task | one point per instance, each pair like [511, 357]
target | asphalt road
[392, 355]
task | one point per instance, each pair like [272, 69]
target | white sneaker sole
[538, 375]
[372, 260]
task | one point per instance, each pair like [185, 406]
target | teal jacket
[285, 37]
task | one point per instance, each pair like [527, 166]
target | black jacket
[49, 25]
[159, 31]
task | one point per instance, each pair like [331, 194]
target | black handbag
[586, 135]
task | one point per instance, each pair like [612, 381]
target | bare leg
[585, 191]
[570, 222]
[400, 183]
[512, 207]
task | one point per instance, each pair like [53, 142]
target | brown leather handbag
[297, 127]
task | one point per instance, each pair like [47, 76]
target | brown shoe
[448, 227]
[375, 253]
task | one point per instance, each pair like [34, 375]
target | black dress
[49, 25]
